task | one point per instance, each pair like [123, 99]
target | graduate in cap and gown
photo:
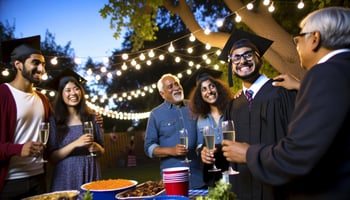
[69, 148]
[22, 109]
[261, 114]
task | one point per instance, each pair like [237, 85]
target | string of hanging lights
[145, 58]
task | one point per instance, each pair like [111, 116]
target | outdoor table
[192, 194]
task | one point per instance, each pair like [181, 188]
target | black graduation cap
[240, 38]
[57, 76]
[191, 82]
[17, 48]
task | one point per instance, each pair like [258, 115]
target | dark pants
[23, 187]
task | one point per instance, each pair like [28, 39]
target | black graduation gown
[265, 122]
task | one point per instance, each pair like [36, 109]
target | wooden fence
[117, 146]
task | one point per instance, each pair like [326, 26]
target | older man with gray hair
[162, 138]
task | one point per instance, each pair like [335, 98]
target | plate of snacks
[145, 190]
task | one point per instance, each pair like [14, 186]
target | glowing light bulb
[171, 48]
[125, 56]
[271, 7]
[190, 50]
[52, 94]
[151, 53]
[250, 6]
[142, 56]
[161, 57]
[266, 2]
[207, 46]
[238, 18]
[192, 38]
[133, 62]
[219, 22]
[98, 77]
[124, 67]
[45, 76]
[103, 69]
[54, 61]
[77, 61]
[207, 31]
[5, 72]
[301, 4]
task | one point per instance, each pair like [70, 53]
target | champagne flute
[184, 140]
[89, 129]
[44, 130]
[209, 138]
[229, 133]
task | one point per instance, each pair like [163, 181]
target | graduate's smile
[245, 68]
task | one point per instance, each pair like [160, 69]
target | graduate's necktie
[249, 95]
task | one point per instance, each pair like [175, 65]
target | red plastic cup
[177, 188]
[175, 181]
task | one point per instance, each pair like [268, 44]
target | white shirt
[30, 113]
[255, 87]
[331, 54]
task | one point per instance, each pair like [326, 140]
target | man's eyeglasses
[297, 36]
[236, 58]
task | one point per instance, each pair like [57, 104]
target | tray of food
[66, 194]
[148, 189]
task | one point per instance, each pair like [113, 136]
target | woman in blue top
[68, 146]
[209, 100]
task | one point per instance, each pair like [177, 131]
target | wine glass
[89, 129]
[184, 140]
[229, 133]
[209, 137]
[44, 131]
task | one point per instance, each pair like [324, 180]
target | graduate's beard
[28, 75]
[251, 78]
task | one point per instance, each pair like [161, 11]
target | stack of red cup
[175, 180]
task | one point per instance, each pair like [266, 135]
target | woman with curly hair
[208, 100]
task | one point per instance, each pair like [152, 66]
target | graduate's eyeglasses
[236, 58]
[297, 36]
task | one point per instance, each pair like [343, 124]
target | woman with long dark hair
[208, 100]
[69, 148]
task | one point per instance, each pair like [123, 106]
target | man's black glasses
[236, 58]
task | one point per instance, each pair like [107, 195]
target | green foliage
[88, 195]
[221, 191]
[138, 16]
[7, 31]
[51, 49]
